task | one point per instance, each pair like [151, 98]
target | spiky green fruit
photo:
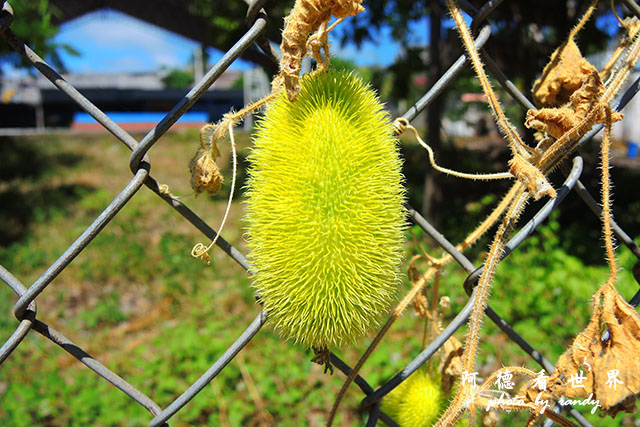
[416, 402]
[325, 211]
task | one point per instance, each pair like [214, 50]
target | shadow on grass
[18, 209]
[22, 159]
[20, 205]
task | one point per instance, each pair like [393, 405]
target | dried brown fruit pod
[611, 366]
[205, 174]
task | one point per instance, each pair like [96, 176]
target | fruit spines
[416, 402]
[325, 211]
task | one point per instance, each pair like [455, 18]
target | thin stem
[474, 176]
[465, 244]
[490, 220]
[465, 396]
[583, 20]
[425, 333]
[532, 419]
[199, 250]
[435, 319]
[632, 31]
[484, 402]
[615, 12]
[486, 279]
[263, 413]
[436, 289]
[237, 116]
[629, 63]
[606, 200]
[515, 142]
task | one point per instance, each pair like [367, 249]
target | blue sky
[110, 41]
[115, 42]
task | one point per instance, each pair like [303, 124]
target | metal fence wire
[25, 307]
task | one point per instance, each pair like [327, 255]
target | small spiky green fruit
[416, 402]
[325, 211]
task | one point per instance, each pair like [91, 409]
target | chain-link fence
[25, 307]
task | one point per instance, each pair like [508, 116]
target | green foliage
[139, 264]
[225, 23]
[178, 79]
[543, 292]
[343, 64]
[238, 83]
[139, 271]
[325, 216]
[32, 24]
[541, 26]
[107, 311]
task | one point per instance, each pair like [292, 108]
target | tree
[32, 24]
[227, 24]
[538, 26]
[432, 194]
[178, 79]
[524, 34]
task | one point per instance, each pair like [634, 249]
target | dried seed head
[205, 174]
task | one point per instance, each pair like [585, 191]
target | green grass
[140, 304]
[137, 301]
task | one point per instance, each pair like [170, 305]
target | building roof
[172, 15]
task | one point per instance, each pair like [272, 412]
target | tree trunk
[432, 193]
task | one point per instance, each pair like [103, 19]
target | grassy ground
[138, 302]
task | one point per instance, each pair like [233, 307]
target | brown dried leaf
[451, 366]
[558, 121]
[574, 119]
[555, 121]
[562, 76]
[599, 359]
[421, 305]
[344, 8]
[412, 271]
[620, 353]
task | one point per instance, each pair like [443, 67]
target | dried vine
[574, 96]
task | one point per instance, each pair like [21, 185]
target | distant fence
[25, 306]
